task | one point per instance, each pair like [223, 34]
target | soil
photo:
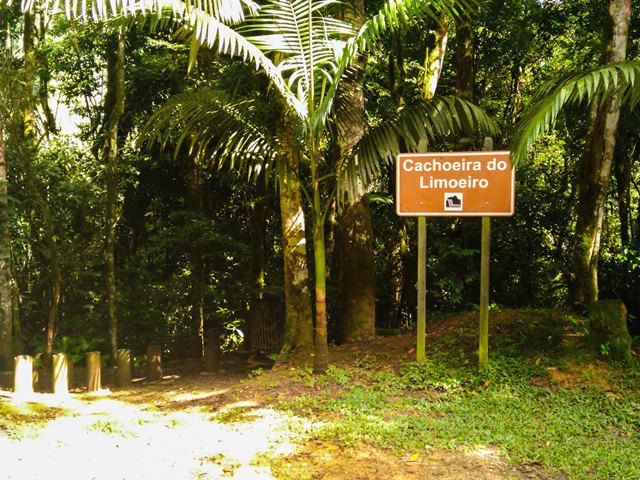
[209, 426]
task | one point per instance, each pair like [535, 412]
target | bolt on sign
[457, 184]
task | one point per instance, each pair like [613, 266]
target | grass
[583, 430]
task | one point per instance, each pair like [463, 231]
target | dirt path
[200, 427]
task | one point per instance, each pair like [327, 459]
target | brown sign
[457, 184]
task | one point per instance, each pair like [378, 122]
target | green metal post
[422, 288]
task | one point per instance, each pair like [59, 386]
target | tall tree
[299, 316]
[596, 166]
[434, 59]
[28, 152]
[113, 112]
[6, 311]
[354, 243]
[308, 74]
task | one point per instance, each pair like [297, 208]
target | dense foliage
[161, 226]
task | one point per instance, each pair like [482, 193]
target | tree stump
[94, 369]
[123, 359]
[154, 362]
[23, 375]
[609, 333]
[212, 351]
[60, 379]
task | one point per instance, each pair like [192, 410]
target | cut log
[60, 374]
[94, 369]
[154, 362]
[23, 375]
[609, 333]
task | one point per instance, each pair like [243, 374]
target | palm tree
[232, 132]
[305, 53]
[605, 89]
[592, 86]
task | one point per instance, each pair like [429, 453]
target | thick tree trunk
[6, 311]
[595, 174]
[299, 319]
[354, 245]
[114, 109]
[357, 315]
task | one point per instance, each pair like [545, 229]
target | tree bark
[6, 304]
[321, 360]
[596, 165]
[354, 245]
[434, 60]
[464, 60]
[299, 320]
[623, 192]
[114, 110]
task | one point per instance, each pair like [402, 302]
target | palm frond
[393, 14]
[437, 118]
[215, 128]
[304, 41]
[620, 80]
[228, 11]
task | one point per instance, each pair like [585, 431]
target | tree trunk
[195, 203]
[43, 92]
[464, 60]
[321, 360]
[27, 153]
[357, 314]
[6, 311]
[595, 174]
[114, 109]
[464, 78]
[256, 234]
[434, 60]
[299, 319]
[623, 192]
[354, 245]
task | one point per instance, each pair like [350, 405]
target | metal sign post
[422, 289]
[456, 184]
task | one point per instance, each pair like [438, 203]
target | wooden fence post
[60, 374]
[23, 375]
[154, 362]
[94, 370]
[123, 359]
